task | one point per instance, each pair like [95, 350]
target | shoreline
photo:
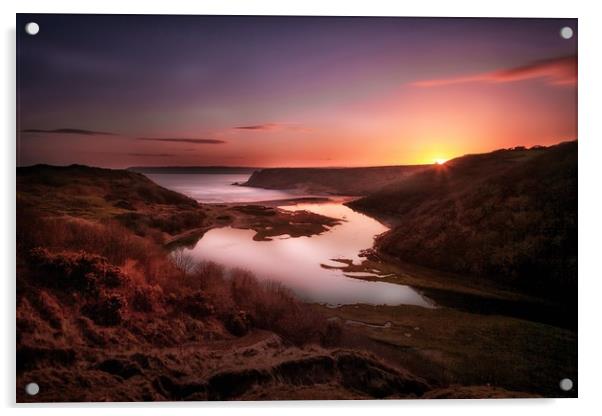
[266, 220]
[461, 292]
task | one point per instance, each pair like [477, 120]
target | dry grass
[76, 255]
[236, 295]
[109, 238]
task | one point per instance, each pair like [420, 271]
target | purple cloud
[181, 140]
[65, 130]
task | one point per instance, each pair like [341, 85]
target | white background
[590, 167]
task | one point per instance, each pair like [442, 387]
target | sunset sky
[121, 91]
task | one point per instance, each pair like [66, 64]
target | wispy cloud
[66, 130]
[273, 127]
[265, 126]
[181, 140]
[555, 71]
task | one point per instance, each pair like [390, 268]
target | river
[297, 263]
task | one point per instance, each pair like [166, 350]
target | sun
[440, 161]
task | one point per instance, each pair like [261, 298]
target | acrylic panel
[295, 208]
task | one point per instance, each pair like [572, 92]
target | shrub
[273, 307]
[49, 308]
[142, 300]
[197, 305]
[106, 311]
[238, 323]
[333, 335]
[75, 271]
[183, 261]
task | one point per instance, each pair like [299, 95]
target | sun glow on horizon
[440, 161]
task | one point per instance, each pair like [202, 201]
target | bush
[242, 302]
[75, 271]
[197, 305]
[273, 307]
[333, 335]
[106, 311]
[183, 261]
[238, 323]
[142, 300]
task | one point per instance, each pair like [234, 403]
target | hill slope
[510, 215]
[337, 181]
[98, 194]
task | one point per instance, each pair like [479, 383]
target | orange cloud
[554, 71]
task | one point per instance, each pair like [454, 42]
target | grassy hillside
[510, 215]
[77, 182]
[336, 181]
[105, 194]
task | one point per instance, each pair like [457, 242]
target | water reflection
[296, 262]
[216, 188]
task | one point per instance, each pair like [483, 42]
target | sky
[119, 91]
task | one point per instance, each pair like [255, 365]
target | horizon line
[291, 167]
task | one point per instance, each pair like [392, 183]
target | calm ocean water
[216, 188]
